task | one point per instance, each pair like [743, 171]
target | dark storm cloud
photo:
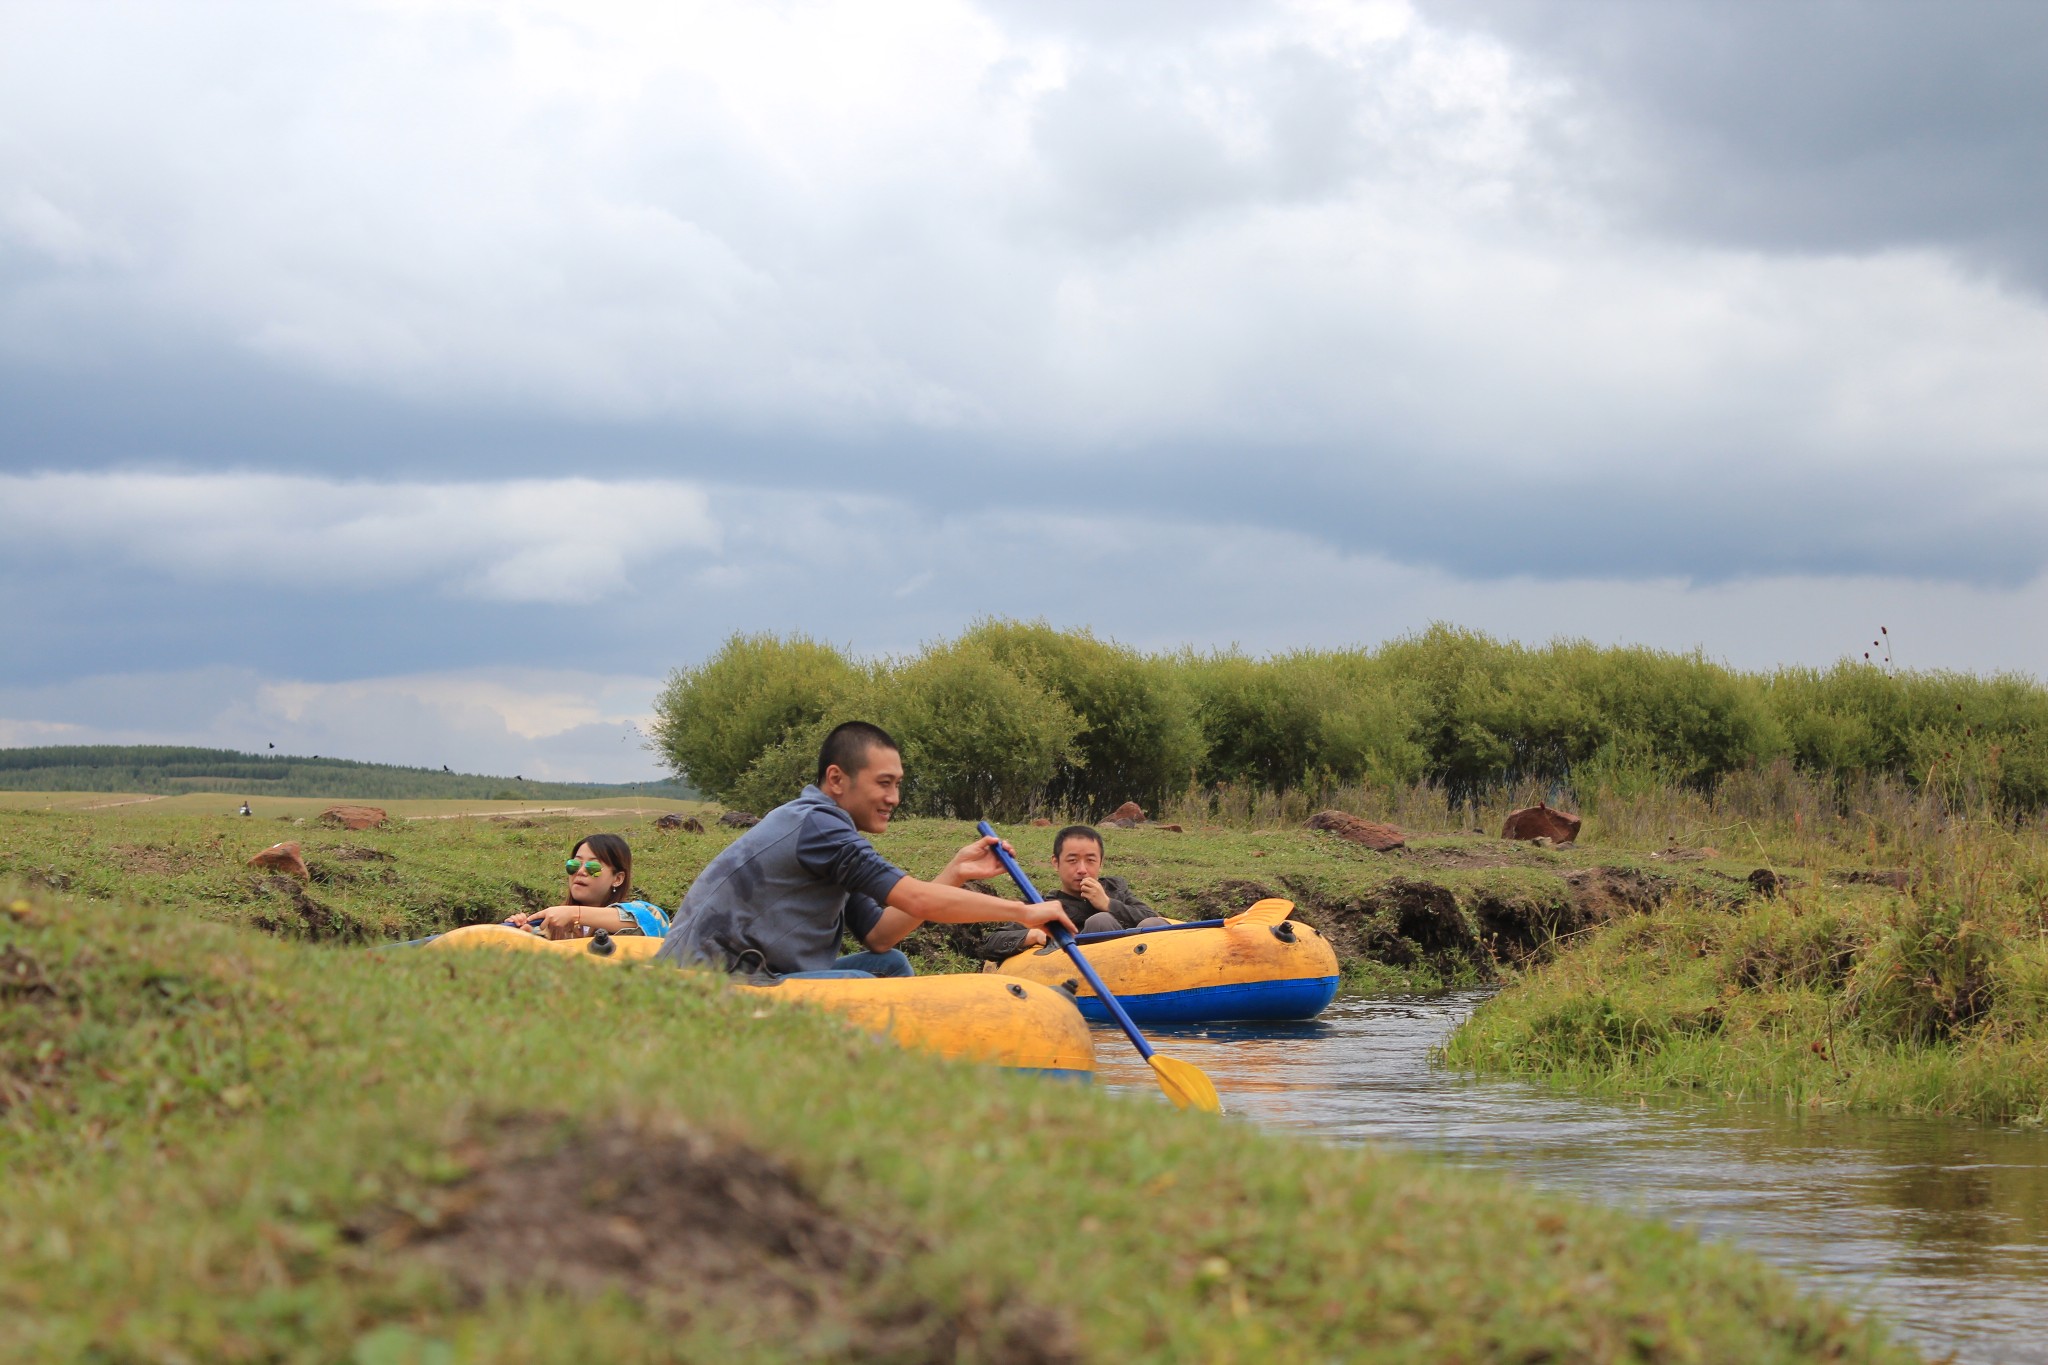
[1811, 125]
[1686, 514]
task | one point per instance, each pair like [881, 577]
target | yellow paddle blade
[1262, 914]
[1186, 1085]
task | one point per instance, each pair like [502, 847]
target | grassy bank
[1892, 962]
[225, 1146]
[1918, 987]
[1441, 911]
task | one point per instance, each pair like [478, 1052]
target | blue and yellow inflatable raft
[1274, 970]
[997, 1020]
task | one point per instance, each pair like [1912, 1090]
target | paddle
[1262, 915]
[1184, 1084]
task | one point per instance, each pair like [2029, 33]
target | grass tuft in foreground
[221, 1146]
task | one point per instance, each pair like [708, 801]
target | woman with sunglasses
[600, 872]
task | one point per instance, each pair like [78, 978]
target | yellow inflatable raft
[1001, 1021]
[1278, 969]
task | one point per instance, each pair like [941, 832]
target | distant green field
[164, 770]
[121, 804]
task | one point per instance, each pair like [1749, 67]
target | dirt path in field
[126, 801]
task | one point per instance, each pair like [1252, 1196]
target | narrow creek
[1937, 1226]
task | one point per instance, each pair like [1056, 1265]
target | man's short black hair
[1059, 841]
[848, 746]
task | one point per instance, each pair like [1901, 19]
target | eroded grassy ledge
[1921, 988]
[224, 1146]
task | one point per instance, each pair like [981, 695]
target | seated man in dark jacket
[1108, 902]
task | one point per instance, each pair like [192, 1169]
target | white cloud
[522, 540]
[1322, 226]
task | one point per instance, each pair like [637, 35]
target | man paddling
[777, 900]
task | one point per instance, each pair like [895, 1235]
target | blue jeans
[891, 963]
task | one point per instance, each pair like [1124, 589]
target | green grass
[1931, 998]
[1629, 967]
[440, 864]
[223, 1146]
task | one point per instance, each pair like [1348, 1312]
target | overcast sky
[422, 381]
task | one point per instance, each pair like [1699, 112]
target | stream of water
[1939, 1227]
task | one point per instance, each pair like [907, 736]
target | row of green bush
[1013, 717]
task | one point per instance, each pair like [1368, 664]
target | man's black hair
[1059, 841]
[848, 746]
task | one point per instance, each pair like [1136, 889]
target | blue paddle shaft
[1109, 934]
[1065, 938]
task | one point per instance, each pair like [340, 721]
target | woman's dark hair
[612, 851]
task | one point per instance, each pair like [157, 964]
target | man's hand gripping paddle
[1184, 1084]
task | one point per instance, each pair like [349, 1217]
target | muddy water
[1941, 1228]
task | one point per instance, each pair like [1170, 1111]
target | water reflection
[1941, 1227]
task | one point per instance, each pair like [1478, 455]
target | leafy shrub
[714, 722]
[979, 738]
[1975, 741]
[1102, 723]
[1139, 739]
[1304, 719]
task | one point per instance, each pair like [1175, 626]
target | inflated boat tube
[1198, 976]
[994, 1019]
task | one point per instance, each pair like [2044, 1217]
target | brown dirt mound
[1517, 927]
[284, 857]
[354, 817]
[1541, 822]
[689, 1225]
[350, 853]
[1374, 835]
[1604, 893]
[1401, 921]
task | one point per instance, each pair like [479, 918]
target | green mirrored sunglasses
[590, 865]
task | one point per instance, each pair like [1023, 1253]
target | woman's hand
[557, 921]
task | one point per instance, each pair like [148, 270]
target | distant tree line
[159, 769]
[1012, 718]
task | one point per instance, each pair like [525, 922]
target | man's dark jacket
[1007, 940]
